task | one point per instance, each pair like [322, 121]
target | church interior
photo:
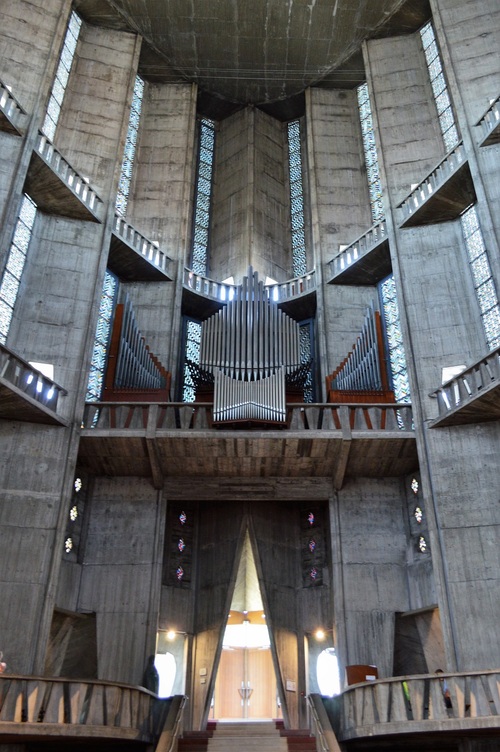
[249, 374]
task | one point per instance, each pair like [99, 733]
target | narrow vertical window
[62, 76]
[102, 336]
[192, 344]
[482, 277]
[397, 359]
[203, 196]
[130, 147]
[370, 151]
[16, 260]
[299, 261]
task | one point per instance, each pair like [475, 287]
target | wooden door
[241, 669]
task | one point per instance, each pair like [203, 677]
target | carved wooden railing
[11, 108]
[432, 182]
[417, 703]
[222, 291]
[468, 385]
[72, 179]
[171, 416]
[140, 243]
[29, 380]
[358, 248]
[103, 708]
[490, 121]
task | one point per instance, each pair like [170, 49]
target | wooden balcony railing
[61, 707]
[14, 117]
[472, 396]
[222, 291]
[410, 704]
[490, 124]
[181, 416]
[18, 378]
[359, 249]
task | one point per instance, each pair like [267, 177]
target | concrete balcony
[412, 710]
[443, 195]
[471, 397]
[57, 188]
[203, 296]
[168, 441]
[65, 711]
[490, 125]
[13, 118]
[25, 393]
[365, 261]
[134, 258]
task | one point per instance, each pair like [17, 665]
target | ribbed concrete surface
[247, 737]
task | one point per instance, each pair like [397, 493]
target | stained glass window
[203, 195]
[310, 518]
[370, 150]
[313, 573]
[439, 87]
[397, 358]
[179, 573]
[62, 75]
[16, 260]
[312, 545]
[482, 277]
[130, 145]
[414, 485]
[68, 545]
[297, 223]
[422, 544]
[73, 513]
[183, 518]
[418, 514]
[192, 339]
[306, 347]
[181, 545]
[103, 333]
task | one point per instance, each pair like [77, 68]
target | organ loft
[249, 375]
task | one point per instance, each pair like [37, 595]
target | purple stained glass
[183, 518]
[181, 545]
[179, 573]
[312, 545]
[310, 518]
[313, 573]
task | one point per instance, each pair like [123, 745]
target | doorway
[245, 687]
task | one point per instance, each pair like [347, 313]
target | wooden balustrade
[71, 178]
[144, 247]
[490, 124]
[223, 292]
[172, 416]
[105, 709]
[358, 248]
[29, 380]
[417, 703]
[474, 385]
[14, 115]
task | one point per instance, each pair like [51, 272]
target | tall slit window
[370, 151]
[484, 285]
[192, 345]
[62, 75]
[203, 196]
[16, 260]
[101, 342]
[299, 260]
[130, 147]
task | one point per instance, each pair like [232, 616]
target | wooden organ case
[250, 363]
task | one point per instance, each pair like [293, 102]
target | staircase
[251, 736]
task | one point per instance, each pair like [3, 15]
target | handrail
[223, 291]
[434, 180]
[491, 119]
[140, 243]
[182, 416]
[72, 179]
[172, 729]
[469, 384]
[321, 727]
[22, 375]
[10, 106]
[433, 701]
[358, 248]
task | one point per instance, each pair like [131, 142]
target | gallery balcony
[472, 396]
[412, 711]
[170, 441]
[64, 712]
[25, 393]
[490, 125]
[443, 195]
[365, 261]
[134, 258]
[203, 296]
[57, 188]
[12, 116]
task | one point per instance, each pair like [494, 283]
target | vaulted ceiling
[256, 51]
